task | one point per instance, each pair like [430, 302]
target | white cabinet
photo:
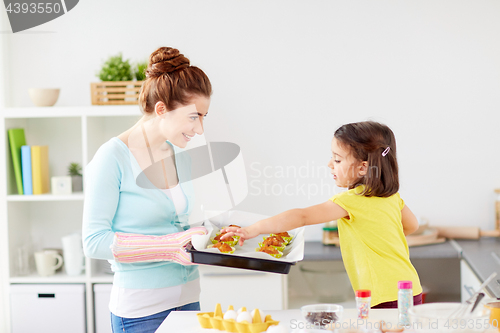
[102, 293]
[241, 287]
[469, 282]
[48, 308]
[73, 134]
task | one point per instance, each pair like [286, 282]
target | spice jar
[363, 298]
[405, 301]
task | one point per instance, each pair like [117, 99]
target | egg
[230, 314]
[262, 314]
[244, 316]
[243, 309]
[277, 329]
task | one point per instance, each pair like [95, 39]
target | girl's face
[346, 170]
[180, 125]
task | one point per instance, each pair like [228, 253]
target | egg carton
[215, 320]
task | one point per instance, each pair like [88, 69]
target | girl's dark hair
[367, 141]
[171, 80]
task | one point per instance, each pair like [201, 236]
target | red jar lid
[363, 293]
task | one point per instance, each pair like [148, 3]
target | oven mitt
[130, 248]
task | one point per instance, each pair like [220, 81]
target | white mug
[73, 262]
[47, 262]
[72, 243]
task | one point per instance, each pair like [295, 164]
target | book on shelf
[26, 168]
[16, 141]
[40, 169]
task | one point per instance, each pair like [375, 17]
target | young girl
[372, 218]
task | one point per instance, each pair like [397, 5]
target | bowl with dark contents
[322, 315]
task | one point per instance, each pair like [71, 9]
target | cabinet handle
[46, 295]
[470, 290]
[233, 274]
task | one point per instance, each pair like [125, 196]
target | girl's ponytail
[375, 143]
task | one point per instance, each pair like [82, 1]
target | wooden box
[115, 92]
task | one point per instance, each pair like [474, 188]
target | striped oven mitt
[129, 248]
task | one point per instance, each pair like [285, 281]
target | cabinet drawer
[102, 293]
[240, 287]
[48, 308]
[469, 282]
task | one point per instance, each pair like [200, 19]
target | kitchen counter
[318, 251]
[483, 257]
[292, 320]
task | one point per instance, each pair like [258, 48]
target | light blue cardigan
[115, 203]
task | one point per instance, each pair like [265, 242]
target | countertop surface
[291, 320]
[482, 255]
[318, 251]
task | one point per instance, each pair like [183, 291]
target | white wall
[286, 74]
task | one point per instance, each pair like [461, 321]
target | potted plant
[75, 171]
[140, 70]
[117, 86]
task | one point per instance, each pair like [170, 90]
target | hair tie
[386, 151]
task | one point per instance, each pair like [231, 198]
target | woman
[136, 185]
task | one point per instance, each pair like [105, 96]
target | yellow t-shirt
[373, 245]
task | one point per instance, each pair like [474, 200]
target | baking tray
[220, 259]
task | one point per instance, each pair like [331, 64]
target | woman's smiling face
[346, 170]
[181, 124]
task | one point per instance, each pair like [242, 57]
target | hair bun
[165, 60]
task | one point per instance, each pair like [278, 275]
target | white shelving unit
[73, 134]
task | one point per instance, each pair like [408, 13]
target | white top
[178, 198]
[136, 303]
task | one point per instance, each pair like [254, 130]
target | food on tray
[223, 247]
[279, 248]
[232, 241]
[272, 251]
[274, 241]
[217, 238]
[231, 226]
[285, 235]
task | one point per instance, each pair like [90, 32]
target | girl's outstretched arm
[291, 219]
[409, 221]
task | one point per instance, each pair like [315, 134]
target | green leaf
[115, 69]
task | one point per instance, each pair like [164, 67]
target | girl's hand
[244, 233]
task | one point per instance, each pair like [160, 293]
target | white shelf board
[59, 277]
[77, 196]
[72, 111]
[102, 278]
